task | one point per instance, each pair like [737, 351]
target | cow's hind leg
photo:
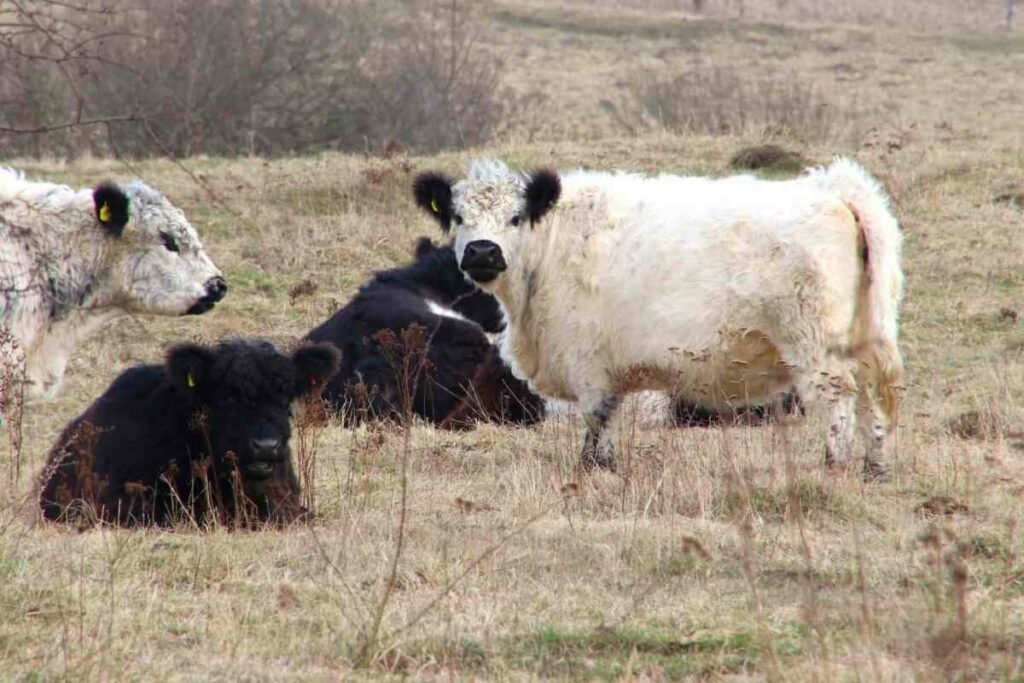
[876, 432]
[830, 392]
[598, 448]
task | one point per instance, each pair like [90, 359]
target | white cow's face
[489, 212]
[158, 265]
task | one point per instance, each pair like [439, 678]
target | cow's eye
[169, 242]
[458, 219]
[515, 220]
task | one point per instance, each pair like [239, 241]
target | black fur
[466, 379]
[689, 414]
[433, 194]
[140, 454]
[117, 203]
[542, 193]
[597, 422]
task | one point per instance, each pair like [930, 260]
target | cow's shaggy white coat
[63, 275]
[718, 290]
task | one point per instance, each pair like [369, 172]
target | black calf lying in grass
[463, 379]
[202, 438]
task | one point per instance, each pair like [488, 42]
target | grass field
[721, 553]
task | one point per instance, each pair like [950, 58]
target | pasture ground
[722, 553]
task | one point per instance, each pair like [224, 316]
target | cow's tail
[874, 341]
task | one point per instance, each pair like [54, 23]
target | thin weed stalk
[407, 357]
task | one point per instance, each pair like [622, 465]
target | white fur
[726, 290]
[444, 311]
[63, 276]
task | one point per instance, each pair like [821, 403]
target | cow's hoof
[594, 461]
[875, 471]
[836, 463]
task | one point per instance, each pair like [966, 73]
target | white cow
[719, 291]
[71, 261]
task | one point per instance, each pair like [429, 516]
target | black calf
[206, 432]
[464, 379]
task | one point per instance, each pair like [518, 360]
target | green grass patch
[998, 46]
[609, 653]
[601, 653]
[248, 278]
[774, 504]
[609, 25]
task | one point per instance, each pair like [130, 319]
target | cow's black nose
[482, 252]
[482, 260]
[213, 291]
[216, 288]
[265, 447]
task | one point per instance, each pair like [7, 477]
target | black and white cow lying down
[165, 443]
[72, 261]
[465, 380]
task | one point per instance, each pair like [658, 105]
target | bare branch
[78, 121]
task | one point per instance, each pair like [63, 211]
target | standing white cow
[71, 261]
[719, 291]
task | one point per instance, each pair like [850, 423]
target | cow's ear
[113, 208]
[542, 192]
[188, 366]
[433, 194]
[314, 365]
[424, 246]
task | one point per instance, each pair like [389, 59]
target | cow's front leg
[598, 447]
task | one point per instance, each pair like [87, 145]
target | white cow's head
[490, 209]
[157, 263]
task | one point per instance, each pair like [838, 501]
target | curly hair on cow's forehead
[492, 171]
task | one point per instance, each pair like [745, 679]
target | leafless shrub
[769, 157]
[309, 427]
[230, 77]
[428, 85]
[407, 355]
[718, 100]
[50, 51]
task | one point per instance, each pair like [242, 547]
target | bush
[229, 77]
[716, 100]
[426, 85]
[769, 158]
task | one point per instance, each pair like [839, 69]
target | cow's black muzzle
[216, 288]
[483, 261]
[266, 454]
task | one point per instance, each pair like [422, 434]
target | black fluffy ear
[113, 208]
[424, 246]
[542, 192]
[188, 366]
[314, 365]
[433, 193]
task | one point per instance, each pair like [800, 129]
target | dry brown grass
[712, 553]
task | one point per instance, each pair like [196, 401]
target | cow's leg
[876, 432]
[828, 390]
[598, 446]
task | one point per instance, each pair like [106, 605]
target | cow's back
[116, 442]
[455, 348]
[651, 274]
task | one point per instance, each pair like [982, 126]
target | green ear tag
[104, 213]
[434, 206]
[191, 381]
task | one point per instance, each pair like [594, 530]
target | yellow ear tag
[104, 213]
[191, 381]
[433, 205]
